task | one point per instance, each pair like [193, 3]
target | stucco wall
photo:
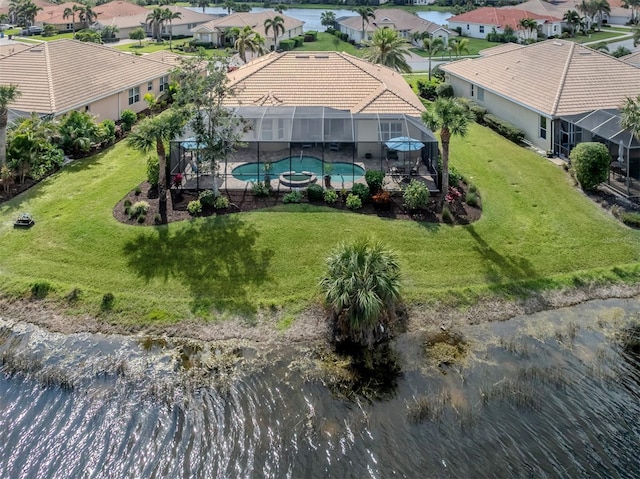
[112, 106]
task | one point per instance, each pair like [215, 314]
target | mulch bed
[245, 201]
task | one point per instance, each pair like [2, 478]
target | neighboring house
[405, 23]
[482, 21]
[54, 15]
[214, 32]
[633, 59]
[541, 87]
[619, 15]
[111, 81]
[5, 4]
[127, 17]
[501, 48]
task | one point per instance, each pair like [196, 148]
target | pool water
[340, 171]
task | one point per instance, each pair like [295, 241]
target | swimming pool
[340, 171]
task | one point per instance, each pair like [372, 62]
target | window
[472, 89]
[150, 86]
[543, 127]
[134, 95]
[69, 26]
[164, 83]
[390, 130]
[481, 28]
[555, 28]
[480, 94]
[267, 130]
[467, 26]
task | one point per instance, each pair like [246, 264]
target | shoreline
[310, 327]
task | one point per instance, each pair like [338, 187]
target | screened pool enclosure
[296, 146]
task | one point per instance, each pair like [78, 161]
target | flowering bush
[453, 195]
[177, 180]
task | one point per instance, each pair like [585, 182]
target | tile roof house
[110, 81]
[479, 22]
[213, 32]
[632, 58]
[5, 4]
[54, 15]
[405, 23]
[537, 87]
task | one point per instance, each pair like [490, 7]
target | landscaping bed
[241, 201]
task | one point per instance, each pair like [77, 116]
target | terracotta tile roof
[254, 20]
[4, 4]
[11, 48]
[539, 7]
[54, 14]
[499, 17]
[505, 47]
[632, 58]
[47, 74]
[553, 77]
[164, 56]
[331, 79]
[118, 8]
[401, 20]
[136, 20]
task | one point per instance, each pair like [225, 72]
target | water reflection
[549, 395]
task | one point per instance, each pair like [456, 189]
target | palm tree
[529, 25]
[155, 20]
[328, 18]
[634, 5]
[8, 94]
[71, 12]
[601, 8]
[362, 287]
[387, 48]
[367, 14]
[458, 46]
[87, 15]
[572, 19]
[154, 132]
[170, 16]
[636, 35]
[451, 118]
[247, 39]
[203, 4]
[277, 25]
[586, 8]
[229, 5]
[601, 47]
[23, 11]
[432, 46]
[631, 116]
[280, 8]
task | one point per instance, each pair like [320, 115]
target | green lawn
[536, 230]
[326, 43]
[474, 45]
[607, 35]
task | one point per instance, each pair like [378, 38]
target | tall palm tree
[23, 11]
[631, 116]
[276, 24]
[203, 4]
[362, 286]
[572, 19]
[387, 48]
[328, 18]
[451, 118]
[8, 94]
[170, 16]
[636, 35]
[367, 14]
[600, 9]
[154, 132]
[155, 20]
[71, 12]
[247, 39]
[432, 46]
[634, 5]
[229, 5]
[87, 15]
[529, 25]
[586, 8]
[458, 46]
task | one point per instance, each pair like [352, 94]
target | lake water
[555, 394]
[311, 17]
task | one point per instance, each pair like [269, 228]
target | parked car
[5, 26]
[32, 30]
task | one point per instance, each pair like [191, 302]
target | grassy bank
[537, 232]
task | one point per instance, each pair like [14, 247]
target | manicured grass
[149, 46]
[536, 230]
[326, 43]
[57, 36]
[474, 45]
[605, 35]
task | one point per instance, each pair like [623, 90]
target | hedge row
[503, 128]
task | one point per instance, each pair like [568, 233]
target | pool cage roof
[298, 124]
[605, 124]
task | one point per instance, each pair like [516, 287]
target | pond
[554, 394]
[311, 16]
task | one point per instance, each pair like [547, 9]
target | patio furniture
[392, 154]
[334, 146]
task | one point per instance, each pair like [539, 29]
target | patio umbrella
[191, 144]
[404, 143]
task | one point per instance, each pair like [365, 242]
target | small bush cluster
[127, 119]
[287, 45]
[590, 163]
[138, 210]
[444, 90]
[153, 171]
[330, 196]
[207, 198]
[447, 217]
[107, 302]
[504, 128]
[292, 197]
[260, 189]
[631, 219]
[455, 177]
[362, 191]
[315, 192]
[353, 202]
[221, 202]
[194, 207]
[416, 195]
[40, 289]
[472, 199]
[137, 191]
[427, 88]
[375, 180]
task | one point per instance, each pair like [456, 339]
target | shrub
[590, 162]
[40, 289]
[447, 217]
[107, 302]
[260, 189]
[287, 45]
[455, 177]
[472, 199]
[330, 196]
[427, 89]
[375, 180]
[127, 210]
[137, 191]
[128, 118]
[139, 208]
[631, 219]
[142, 219]
[194, 207]
[153, 171]
[292, 197]
[49, 30]
[444, 90]
[344, 37]
[157, 219]
[127, 203]
[478, 113]
[312, 33]
[207, 198]
[315, 192]
[473, 188]
[74, 295]
[416, 195]
[362, 191]
[353, 202]
[108, 132]
[382, 199]
[453, 195]
[221, 202]
[504, 128]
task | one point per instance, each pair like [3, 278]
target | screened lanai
[318, 140]
[604, 126]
